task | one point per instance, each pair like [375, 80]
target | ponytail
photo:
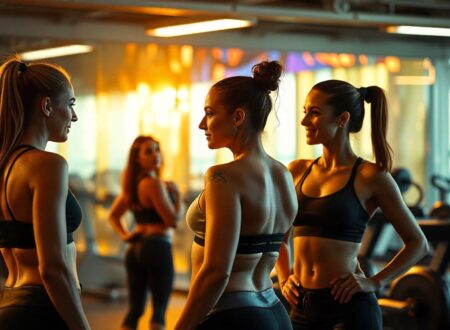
[379, 117]
[12, 113]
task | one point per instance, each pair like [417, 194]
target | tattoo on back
[218, 177]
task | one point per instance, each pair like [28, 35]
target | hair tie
[363, 92]
[22, 67]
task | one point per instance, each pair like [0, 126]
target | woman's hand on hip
[345, 286]
[289, 289]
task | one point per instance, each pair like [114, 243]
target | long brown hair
[346, 97]
[133, 173]
[21, 86]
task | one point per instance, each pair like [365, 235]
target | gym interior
[129, 82]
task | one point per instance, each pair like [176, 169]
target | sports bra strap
[8, 173]
[354, 169]
[300, 183]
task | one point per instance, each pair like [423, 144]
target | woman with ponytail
[38, 213]
[337, 194]
[242, 215]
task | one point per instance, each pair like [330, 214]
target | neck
[251, 145]
[338, 154]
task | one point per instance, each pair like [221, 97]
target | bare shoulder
[221, 173]
[46, 163]
[372, 175]
[298, 167]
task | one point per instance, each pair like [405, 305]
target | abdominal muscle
[23, 266]
[319, 260]
[250, 272]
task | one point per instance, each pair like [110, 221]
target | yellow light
[56, 52]
[419, 30]
[199, 27]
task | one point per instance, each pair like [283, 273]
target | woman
[337, 193]
[242, 215]
[157, 206]
[38, 213]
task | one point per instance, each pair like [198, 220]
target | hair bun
[267, 75]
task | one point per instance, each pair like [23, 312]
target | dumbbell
[420, 299]
[440, 209]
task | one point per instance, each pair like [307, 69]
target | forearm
[404, 260]
[283, 264]
[204, 293]
[63, 292]
[117, 226]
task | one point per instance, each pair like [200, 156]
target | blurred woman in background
[157, 207]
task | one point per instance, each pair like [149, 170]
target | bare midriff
[320, 260]
[23, 267]
[250, 272]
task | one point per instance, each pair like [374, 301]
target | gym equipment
[440, 209]
[101, 276]
[404, 181]
[420, 299]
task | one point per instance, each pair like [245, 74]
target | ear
[344, 118]
[238, 116]
[46, 106]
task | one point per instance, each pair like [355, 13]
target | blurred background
[130, 81]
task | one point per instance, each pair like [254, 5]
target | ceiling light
[55, 52]
[199, 27]
[420, 30]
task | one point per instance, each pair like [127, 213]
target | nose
[304, 121]
[74, 116]
[202, 124]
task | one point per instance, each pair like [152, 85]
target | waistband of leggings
[27, 295]
[315, 292]
[237, 299]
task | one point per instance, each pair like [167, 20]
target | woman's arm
[288, 282]
[156, 192]
[386, 195]
[223, 222]
[118, 209]
[50, 190]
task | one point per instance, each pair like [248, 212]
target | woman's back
[267, 206]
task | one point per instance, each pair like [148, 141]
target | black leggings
[149, 267]
[28, 307]
[248, 318]
[247, 310]
[317, 309]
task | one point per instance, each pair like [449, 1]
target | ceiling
[340, 25]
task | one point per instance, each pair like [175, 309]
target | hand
[345, 286]
[289, 289]
[173, 190]
[133, 237]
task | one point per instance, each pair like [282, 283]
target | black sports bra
[338, 216]
[248, 244]
[19, 234]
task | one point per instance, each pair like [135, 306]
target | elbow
[216, 276]
[52, 271]
[424, 247]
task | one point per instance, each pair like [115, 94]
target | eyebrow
[208, 108]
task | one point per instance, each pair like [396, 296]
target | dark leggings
[317, 309]
[28, 307]
[248, 318]
[149, 267]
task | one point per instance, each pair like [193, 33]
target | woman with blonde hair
[38, 213]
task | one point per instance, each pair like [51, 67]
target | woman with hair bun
[242, 215]
[337, 194]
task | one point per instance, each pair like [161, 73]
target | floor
[108, 314]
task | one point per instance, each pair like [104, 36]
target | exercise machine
[420, 299]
